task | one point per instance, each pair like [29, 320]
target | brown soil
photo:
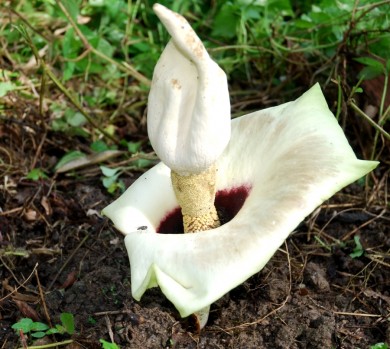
[58, 255]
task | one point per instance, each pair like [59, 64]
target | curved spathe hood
[188, 104]
[293, 156]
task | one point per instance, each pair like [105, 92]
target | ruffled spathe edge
[294, 156]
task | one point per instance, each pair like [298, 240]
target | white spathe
[293, 156]
[188, 106]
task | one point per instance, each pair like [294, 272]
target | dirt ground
[59, 255]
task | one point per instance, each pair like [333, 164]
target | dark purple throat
[228, 202]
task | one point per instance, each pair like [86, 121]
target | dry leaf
[31, 215]
[46, 205]
[70, 280]
[26, 310]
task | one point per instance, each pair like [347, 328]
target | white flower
[288, 159]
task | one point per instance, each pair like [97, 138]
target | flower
[281, 163]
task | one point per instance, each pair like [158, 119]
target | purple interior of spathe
[228, 203]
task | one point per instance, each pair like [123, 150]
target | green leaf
[71, 44]
[108, 345]
[39, 326]
[109, 181]
[67, 320]
[370, 62]
[379, 346]
[75, 119]
[91, 320]
[23, 324]
[36, 174]
[104, 46]
[142, 163]
[370, 72]
[72, 7]
[358, 251]
[133, 147]
[99, 146]
[69, 70]
[5, 87]
[225, 22]
[301, 23]
[109, 172]
[96, 3]
[38, 334]
[52, 331]
[73, 155]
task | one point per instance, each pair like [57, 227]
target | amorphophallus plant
[279, 165]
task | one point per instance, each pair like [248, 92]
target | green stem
[51, 345]
[368, 119]
[339, 96]
[382, 117]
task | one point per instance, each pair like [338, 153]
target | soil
[59, 255]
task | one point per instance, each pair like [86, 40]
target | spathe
[292, 157]
[188, 104]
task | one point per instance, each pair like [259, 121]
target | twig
[43, 298]
[348, 235]
[20, 284]
[67, 261]
[109, 328]
[375, 259]
[51, 345]
[276, 309]
[355, 314]
[352, 104]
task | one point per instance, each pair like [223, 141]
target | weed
[36, 174]
[39, 329]
[108, 345]
[358, 251]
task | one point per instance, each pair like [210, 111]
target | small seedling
[36, 174]
[358, 251]
[39, 329]
[108, 345]
[36, 329]
[110, 179]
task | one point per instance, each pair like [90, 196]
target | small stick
[108, 324]
[43, 299]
